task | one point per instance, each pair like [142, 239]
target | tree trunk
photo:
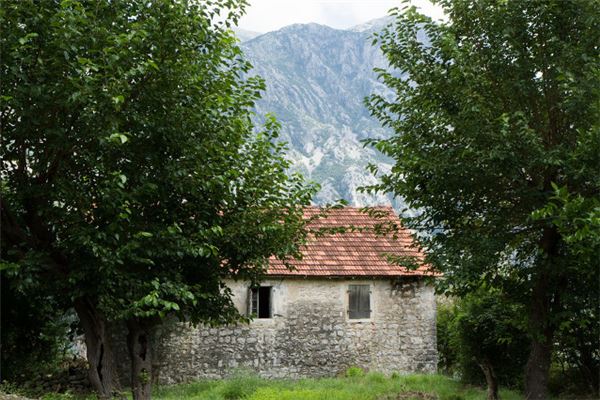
[139, 343]
[537, 369]
[545, 296]
[102, 370]
[490, 379]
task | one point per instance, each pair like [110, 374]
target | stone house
[343, 305]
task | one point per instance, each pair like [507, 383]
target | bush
[355, 371]
[576, 361]
[34, 335]
[484, 325]
[447, 355]
[488, 321]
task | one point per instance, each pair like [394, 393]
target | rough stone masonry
[310, 333]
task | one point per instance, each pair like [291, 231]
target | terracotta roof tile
[358, 251]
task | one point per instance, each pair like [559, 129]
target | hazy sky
[269, 15]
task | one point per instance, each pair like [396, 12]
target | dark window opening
[359, 301]
[260, 302]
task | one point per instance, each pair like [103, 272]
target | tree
[500, 103]
[133, 180]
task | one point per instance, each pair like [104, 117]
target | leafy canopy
[132, 173]
[497, 137]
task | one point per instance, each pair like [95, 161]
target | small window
[260, 302]
[359, 301]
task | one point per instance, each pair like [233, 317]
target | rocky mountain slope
[317, 78]
[244, 35]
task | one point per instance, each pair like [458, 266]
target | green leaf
[118, 99]
[119, 138]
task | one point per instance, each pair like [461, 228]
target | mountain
[375, 25]
[317, 78]
[245, 35]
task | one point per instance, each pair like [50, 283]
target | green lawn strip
[373, 386]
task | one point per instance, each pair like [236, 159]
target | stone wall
[310, 334]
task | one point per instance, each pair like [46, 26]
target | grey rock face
[317, 78]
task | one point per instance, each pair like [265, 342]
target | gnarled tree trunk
[139, 343]
[102, 369]
[545, 298]
[540, 356]
[490, 378]
[537, 369]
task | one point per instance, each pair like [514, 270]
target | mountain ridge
[317, 78]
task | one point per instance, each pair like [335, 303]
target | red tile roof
[358, 251]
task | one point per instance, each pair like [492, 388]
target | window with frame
[359, 301]
[260, 302]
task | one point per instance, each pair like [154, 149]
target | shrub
[447, 354]
[484, 325]
[35, 332]
[576, 362]
[355, 371]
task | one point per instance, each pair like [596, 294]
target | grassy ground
[357, 386]
[372, 386]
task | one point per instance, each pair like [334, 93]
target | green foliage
[58, 396]
[484, 325]
[496, 117]
[34, 335]
[132, 173]
[354, 371]
[10, 388]
[577, 356]
[447, 353]
[577, 359]
[134, 181]
[472, 114]
[577, 218]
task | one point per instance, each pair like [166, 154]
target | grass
[356, 385]
[372, 386]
